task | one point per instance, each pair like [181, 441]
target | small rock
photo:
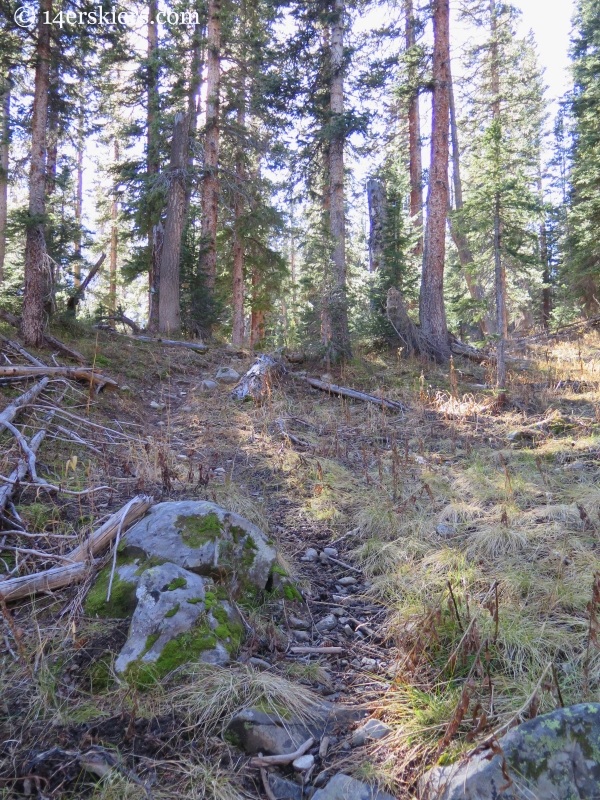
[186, 409]
[208, 386]
[300, 624]
[338, 611]
[324, 746]
[283, 789]
[372, 731]
[446, 531]
[328, 623]
[301, 636]
[259, 663]
[303, 763]
[340, 598]
[575, 466]
[157, 406]
[348, 631]
[320, 779]
[227, 375]
[330, 551]
[343, 787]
[347, 581]
[369, 663]
[310, 555]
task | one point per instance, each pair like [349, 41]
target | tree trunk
[257, 320]
[35, 246]
[237, 337]
[52, 134]
[114, 242]
[5, 88]
[210, 188]
[431, 307]
[169, 312]
[459, 238]
[544, 258]
[499, 268]
[414, 134]
[377, 218]
[153, 163]
[79, 202]
[336, 301]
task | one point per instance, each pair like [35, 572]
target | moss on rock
[196, 530]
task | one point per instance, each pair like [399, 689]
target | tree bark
[237, 338]
[35, 246]
[153, 164]
[431, 306]
[5, 89]
[207, 267]
[376, 197]
[336, 300]
[169, 312]
[114, 242]
[52, 134]
[459, 238]
[79, 202]
[257, 319]
[499, 268]
[414, 133]
[545, 259]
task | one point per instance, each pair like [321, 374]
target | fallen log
[256, 383]
[21, 350]
[11, 411]
[78, 373]
[50, 341]
[196, 346]
[56, 578]
[342, 391]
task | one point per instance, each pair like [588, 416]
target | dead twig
[286, 758]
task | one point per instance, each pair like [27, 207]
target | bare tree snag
[376, 197]
[93, 377]
[256, 383]
[431, 306]
[36, 258]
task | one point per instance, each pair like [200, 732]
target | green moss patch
[196, 531]
[173, 611]
[176, 583]
[194, 600]
[122, 601]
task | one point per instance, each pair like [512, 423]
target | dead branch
[285, 758]
[50, 487]
[124, 320]
[21, 350]
[27, 585]
[49, 340]
[198, 347]
[290, 436]
[73, 301]
[326, 650]
[11, 411]
[91, 376]
[256, 383]
[38, 553]
[20, 472]
[342, 391]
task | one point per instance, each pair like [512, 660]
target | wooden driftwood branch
[49, 340]
[78, 373]
[342, 391]
[27, 585]
[11, 411]
[257, 381]
[285, 758]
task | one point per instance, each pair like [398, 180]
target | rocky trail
[319, 601]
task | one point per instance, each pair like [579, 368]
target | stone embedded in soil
[300, 624]
[255, 731]
[204, 538]
[347, 581]
[178, 619]
[283, 789]
[310, 555]
[343, 787]
[328, 623]
[157, 406]
[227, 375]
[372, 731]
[552, 757]
[446, 531]
[301, 636]
[330, 551]
[303, 763]
[208, 386]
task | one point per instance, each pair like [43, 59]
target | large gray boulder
[179, 618]
[206, 539]
[256, 731]
[343, 787]
[553, 757]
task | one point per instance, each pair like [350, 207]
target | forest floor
[471, 530]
